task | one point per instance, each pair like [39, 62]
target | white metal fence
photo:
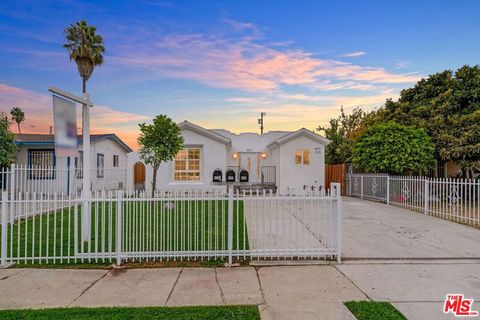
[452, 199]
[50, 180]
[176, 224]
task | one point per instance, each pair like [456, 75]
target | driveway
[376, 230]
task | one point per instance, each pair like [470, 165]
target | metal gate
[194, 224]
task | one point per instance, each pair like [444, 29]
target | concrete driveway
[376, 230]
[408, 258]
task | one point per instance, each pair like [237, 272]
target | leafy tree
[393, 148]
[343, 131]
[8, 150]
[159, 142]
[447, 106]
[18, 116]
[85, 47]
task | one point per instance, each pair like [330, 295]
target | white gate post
[388, 189]
[361, 187]
[426, 197]
[12, 192]
[337, 219]
[118, 246]
[4, 228]
[230, 226]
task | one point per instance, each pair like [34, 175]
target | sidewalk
[282, 292]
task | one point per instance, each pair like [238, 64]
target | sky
[219, 64]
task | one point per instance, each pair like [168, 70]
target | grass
[147, 227]
[153, 313]
[373, 310]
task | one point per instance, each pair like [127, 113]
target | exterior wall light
[263, 155]
[235, 155]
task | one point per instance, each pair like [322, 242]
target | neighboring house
[43, 171]
[287, 161]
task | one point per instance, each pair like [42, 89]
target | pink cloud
[244, 61]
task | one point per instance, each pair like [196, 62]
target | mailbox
[243, 176]
[230, 175]
[217, 175]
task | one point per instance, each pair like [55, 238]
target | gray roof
[47, 139]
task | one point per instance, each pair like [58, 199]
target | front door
[249, 161]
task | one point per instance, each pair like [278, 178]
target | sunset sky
[220, 64]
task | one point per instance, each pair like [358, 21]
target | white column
[337, 219]
[87, 193]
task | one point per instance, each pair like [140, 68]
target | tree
[393, 148]
[85, 47]
[18, 116]
[343, 131]
[159, 142]
[447, 106]
[8, 150]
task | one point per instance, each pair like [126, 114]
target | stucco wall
[114, 177]
[213, 154]
[292, 177]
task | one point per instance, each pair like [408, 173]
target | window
[42, 164]
[115, 160]
[100, 165]
[302, 156]
[79, 165]
[187, 165]
[306, 156]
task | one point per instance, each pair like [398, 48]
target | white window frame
[116, 164]
[42, 163]
[187, 169]
[100, 166]
[303, 158]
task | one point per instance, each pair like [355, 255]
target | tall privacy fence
[194, 224]
[451, 199]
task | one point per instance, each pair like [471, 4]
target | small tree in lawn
[8, 150]
[393, 148]
[159, 142]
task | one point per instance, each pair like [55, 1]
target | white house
[39, 170]
[290, 161]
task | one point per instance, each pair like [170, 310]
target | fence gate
[194, 224]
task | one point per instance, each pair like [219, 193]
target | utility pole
[260, 121]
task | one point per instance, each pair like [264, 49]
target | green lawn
[160, 313]
[188, 226]
[373, 310]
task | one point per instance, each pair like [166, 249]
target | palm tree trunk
[18, 125]
[84, 85]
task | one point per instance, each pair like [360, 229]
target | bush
[393, 148]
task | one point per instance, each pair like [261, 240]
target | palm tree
[18, 116]
[85, 47]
